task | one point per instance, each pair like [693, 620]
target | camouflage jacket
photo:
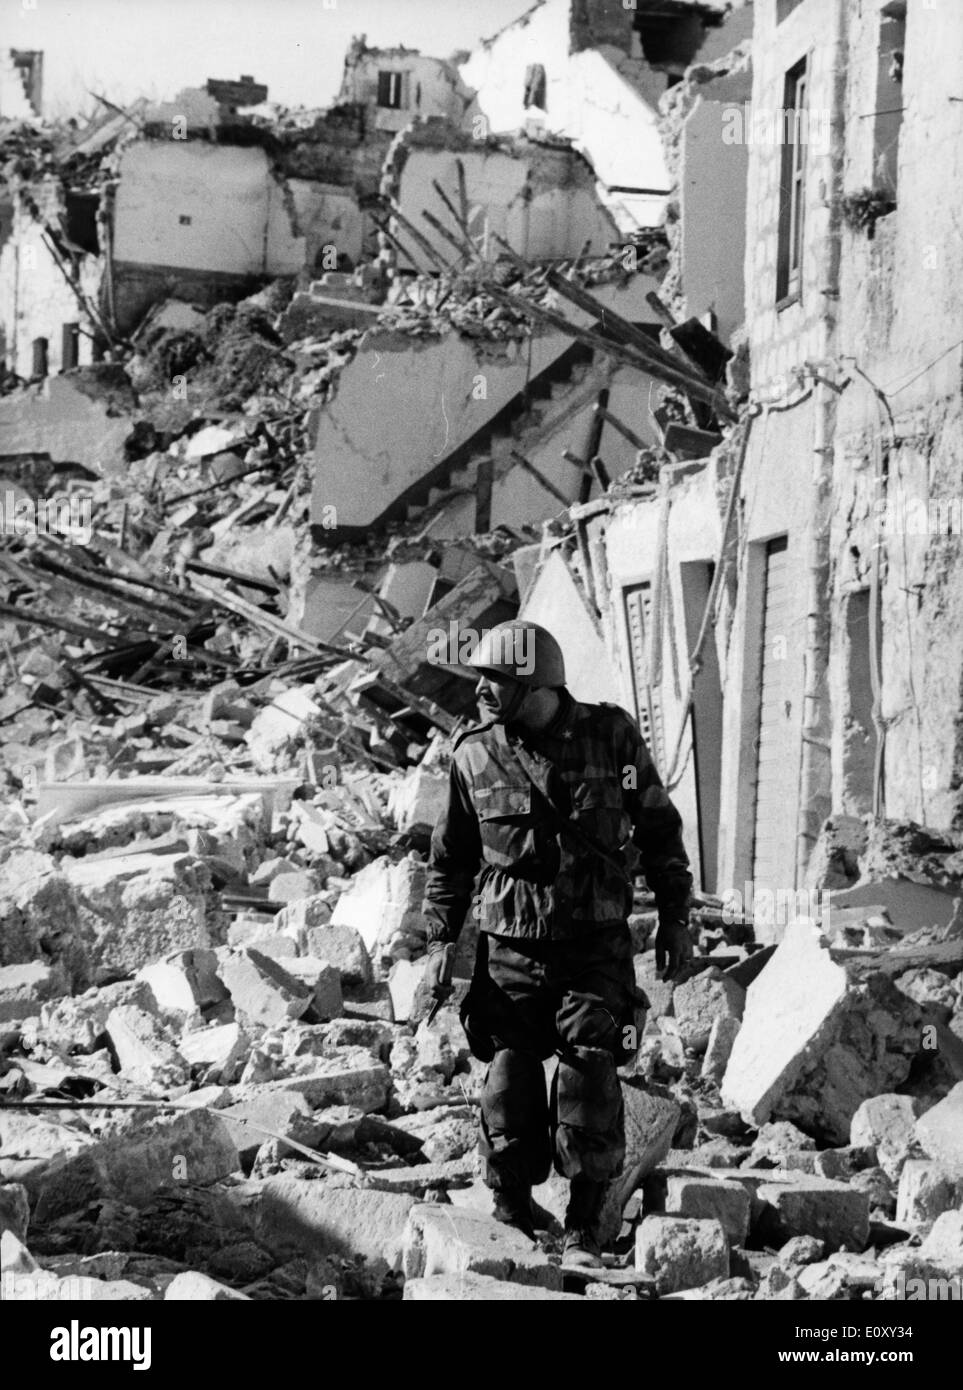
[537, 880]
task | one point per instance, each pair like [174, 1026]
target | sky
[129, 48]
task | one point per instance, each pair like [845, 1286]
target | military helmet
[522, 650]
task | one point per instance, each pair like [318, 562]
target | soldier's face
[501, 699]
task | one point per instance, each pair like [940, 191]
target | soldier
[548, 797]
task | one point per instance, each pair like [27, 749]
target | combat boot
[513, 1207]
[582, 1245]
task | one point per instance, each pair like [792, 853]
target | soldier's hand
[438, 973]
[673, 948]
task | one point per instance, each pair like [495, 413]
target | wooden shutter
[648, 706]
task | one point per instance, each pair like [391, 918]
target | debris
[679, 1253]
[445, 1240]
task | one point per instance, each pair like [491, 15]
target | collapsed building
[424, 362]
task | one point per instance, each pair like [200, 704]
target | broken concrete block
[15, 1258]
[650, 1122]
[944, 1244]
[887, 1123]
[818, 1038]
[276, 947]
[833, 1212]
[324, 981]
[842, 1276]
[349, 1077]
[136, 1155]
[30, 1146]
[36, 904]
[479, 1288]
[290, 888]
[341, 946]
[681, 1254]
[843, 1164]
[275, 735]
[222, 1050]
[78, 1024]
[722, 1037]
[926, 1190]
[422, 1178]
[299, 916]
[446, 1240]
[185, 982]
[778, 1145]
[138, 908]
[801, 1250]
[383, 903]
[931, 989]
[698, 1002]
[408, 998]
[418, 799]
[261, 990]
[320, 1219]
[939, 1132]
[213, 1097]
[24, 989]
[201, 1288]
[14, 1209]
[879, 1187]
[145, 1054]
[710, 1200]
[267, 1113]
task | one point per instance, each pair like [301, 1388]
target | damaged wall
[397, 85]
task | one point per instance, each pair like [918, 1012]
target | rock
[700, 1001]
[30, 1146]
[926, 1190]
[818, 1038]
[939, 1132]
[479, 1288]
[878, 1186]
[408, 999]
[710, 1199]
[931, 990]
[325, 983]
[136, 1155]
[201, 1289]
[728, 1123]
[842, 1164]
[185, 982]
[944, 1244]
[290, 888]
[284, 1113]
[79, 1024]
[320, 1219]
[418, 798]
[15, 1258]
[384, 904]
[424, 1177]
[838, 1277]
[778, 1144]
[143, 1049]
[341, 946]
[681, 1254]
[350, 1077]
[221, 1050]
[37, 904]
[262, 992]
[780, 1283]
[737, 1290]
[450, 1138]
[446, 1240]
[801, 1250]
[722, 1038]
[24, 989]
[14, 1209]
[213, 1097]
[887, 1123]
[275, 731]
[831, 1211]
[650, 1122]
[277, 947]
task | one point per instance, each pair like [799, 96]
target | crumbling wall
[428, 86]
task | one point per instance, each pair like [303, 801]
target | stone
[418, 798]
[201, 1288]
[728, 1123]
[284, 1113]
[214, 1097]
[778, 1144]
[932, 990]
[324, 981]
[700, 1001]
[30, 1146]
[944, 1243]
[735, 1290]
[451, 1137]
[145, 1054]
[801, 1250]
[349, 1077]
[24, 989]
[926, 1190]
[842, 1164]
[887, 1123]
[837, 1278]
[15, 1258]
[408, 999]
[831, 1211]
[185, 982]
[423, 1177]
[383, 903]
[448, 1240]
[650, 1123]
[136, 1155]
[276, 947]
[290, 888]
[479, 1288]
[722, 1038]
[939, 1132]
[707, 1200]
[221, 1050]
[879, 1188]
[339, 945]
[14, 1209]
[275, 730]
[818, 1038]
[319, 1218]
[681, 1254]
[261, 991]
[79, 1024]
